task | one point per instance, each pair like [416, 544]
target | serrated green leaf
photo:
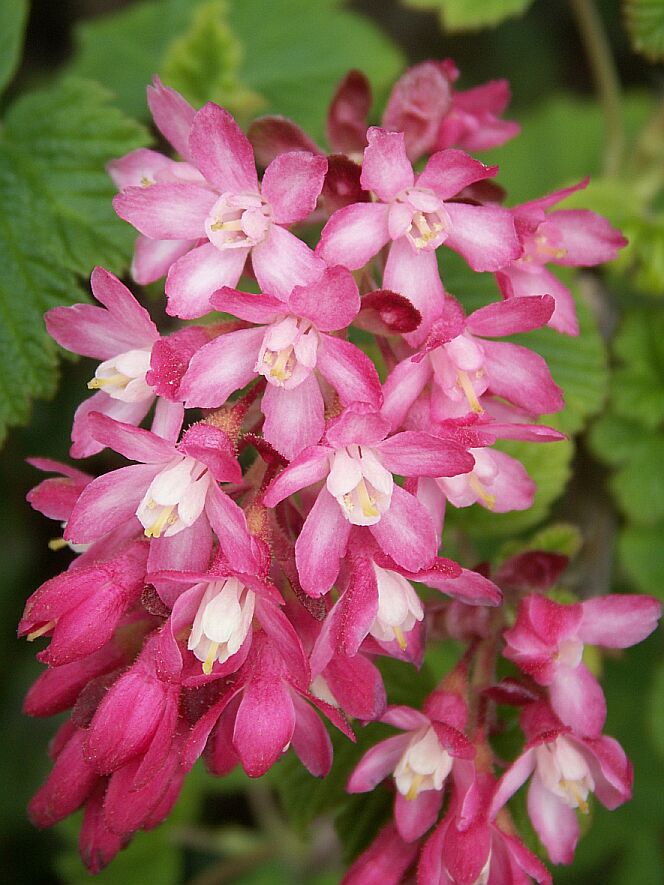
[642, 556]
[13, 19]
[320, 40]
[561, 537]
[203, 63]
[639, 484]
[645, 25]
[638, 384]
[613, 438]
[66, 134]
[471, 15]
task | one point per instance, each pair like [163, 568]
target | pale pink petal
[356, 425]
[221, 151]
[84, 444]
[415, 276]
[419, 102]
[585, 237]
[221, 367]
[310, 466]
[282, 261]
[273, 135]
[321, 545]
[483, 235]
[449, 172]
[264, 725]
[514, 281]
[292, 184]
[294, 419]
[132, 442]
[246, 305]
[414, 453]
[379, 762]
[578, 700]
[414, 817]
[386, 169]
[515, 776]
[167, 419]
[619, 621]
[187, 550]
[166, 211]
[406, 531]
[470, 587]
[555, 822]
[109, 501]
[350, 371]
[610, 768]
[347, 117]
[512, 316]
[134, 167]
[512, 488]
[402, 387]
[197, 275]
[172, 114]
[153, 258]
[354, 234]
[332, 302]
[310, 739]
[406, 718]
[230, 526]
[522, 377]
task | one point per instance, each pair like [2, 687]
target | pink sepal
[292, 184]
[172, 114]
[172, 211]
[273, 135]
[67, 787]
[221, 150]
[386, 170]
[384, 862]
[346, 126]
[96, 843]
[619, 621]
[413, 817]
[377, 763]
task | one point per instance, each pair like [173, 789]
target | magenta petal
[273, 135]
[376, 764]
[522, 377]
[213, 447]
[264, 725]
[84, 444]
[201, 730]
[556, 823]
[357, 685]
[357, 608]
[470, 587]
[516, 282]
[171, 211]
[611, 770]
[450, 171]
[153, 258]
[404, 384]
[347, 117]
[415, 453]
[585, 237]
[189, 549]
[294, 419]
[172, 114]
[67, 787]
[386, 169]
[134, 443]
[310, 739]
[508, 317]
[415, 276]
[230, 526]
[619, 621]
[332, 302]
[247, 306]
[292, 184]
[282, 261]
[483, 235]
[221, 150]
[109, 501]
[406, 531]
[384, 862]
[350, 371]
[420, 99]
[354, 234]
[309, 467]
[220, 368]
[197, 275]
[285, 639]
[321, 544]
[414, 817]
[578, 700]
[515, 776]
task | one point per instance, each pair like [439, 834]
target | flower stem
[606, 79]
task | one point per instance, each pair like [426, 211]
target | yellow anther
[40, 632]
[572, 789]
[210, 658]
[146, 182]
[280, 369]
[465, 384]
[478, 488]
[367, 503]
[155, 530]
[227, 225]
[57, 544]
[427, 232]
[547, 251]
[414, 787]
[119, 380]
[348, 503]
[400, 638]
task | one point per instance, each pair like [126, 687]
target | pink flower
[227, 210]
[384, 862]
[547, 643]
[357, 461]
[565, 769]
[294, 343]
[569, 237]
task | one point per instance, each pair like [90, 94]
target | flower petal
[555, 822]
[522, 377]
[386, 169]
[619, 621]
[220, 368]
[264, 725]
[282, 261]
[194, 277]
[354, 234]
[294, 419]
[406, 531]
[172, 114]
[448, 172]
[292, 184]
[166, 211]
[350, 371]
[332, 302]
[221, 150]
[483, 235]
[321, 545]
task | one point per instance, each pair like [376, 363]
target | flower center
[360, 483]
[399, 607]
[238, 220]
[427, 223]
[175, 498]
[565, 772]
[222, 622]
[423, 766]
[288, 352]
[123, 376]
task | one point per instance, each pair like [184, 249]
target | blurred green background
[286, 56]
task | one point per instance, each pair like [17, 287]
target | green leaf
[13, 19]
[656, 709]
[470, 15]
[559, 537]
[642, 556]
[294, 52]
[639, 484]
[203, 63]
[638, 384]
[645, 24]
[613, 438]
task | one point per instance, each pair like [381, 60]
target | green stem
[606, 80]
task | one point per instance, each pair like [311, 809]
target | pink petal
[512, 487]
[84, 444]
[153, 258]
[221, 151]
[376, 764]
[522, 377]
[310, 739]
[578, 700]
[526, 860]
[347, 117]
[611, 770]
[212, 446]
[406, 531]
[321, 545]
[273, 135]
[515, 776]
[386, 170]
[419, 102]
[354, 234]
[294, 419]
[470, 587]
[220, 368]
[509, 317]
[292, 184]
[556, 823]
[109, 501]
[619, 621]
[332, 302]
[308, 467]
[413, 817]
[67, 787]
[230, 526]
[282, 261]
[415, 276]
[483, 235]
[404, 384]
[284, 638]
[167, 420]
[357, 685]
[264, 725]
[197, 275]
[516, 282]
[246, 305]
[355, 425]
[586, 237]
[172, 114]
[414, 453]
[384, 862]
[404, 717]
[350, 371]
[132, 442]
[166, 211]
[449, 172]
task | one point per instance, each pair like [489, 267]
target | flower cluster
[242, 577]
